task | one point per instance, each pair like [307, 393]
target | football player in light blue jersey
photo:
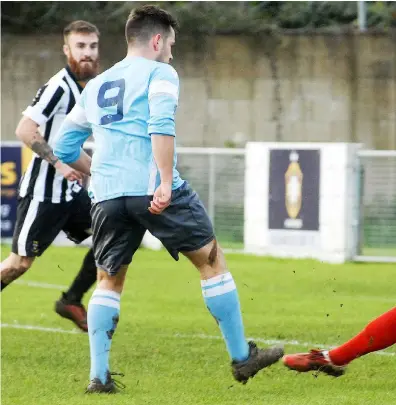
[130, 110]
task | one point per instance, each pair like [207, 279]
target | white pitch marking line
[270, 342]
[39, 328]
[40, 285]
[184, 336]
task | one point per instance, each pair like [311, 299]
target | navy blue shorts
[119, 226]
[38, 223]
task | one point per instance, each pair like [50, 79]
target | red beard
[84, 71]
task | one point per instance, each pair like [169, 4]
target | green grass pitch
[169, 347]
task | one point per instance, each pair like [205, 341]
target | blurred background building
[250, 71]
[262, 71]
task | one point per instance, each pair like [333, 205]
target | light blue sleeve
[163, 94]
[74, 131]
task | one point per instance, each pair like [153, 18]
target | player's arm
[163, 150]
[44, 106]
[163, 100]
[74, 131]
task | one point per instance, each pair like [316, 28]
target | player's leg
[13, 267]
[377, 335]
[115, 239]
[221, 298]
[69, 305]
[77, 229]
[185, 227]
[83, 281]
[36, 227]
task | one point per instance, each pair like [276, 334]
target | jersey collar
[71, 74]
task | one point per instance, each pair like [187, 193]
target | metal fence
[378, 206]
[218, 175]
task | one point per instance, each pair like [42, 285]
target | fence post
[212, 187]
[362, 15]
[360, 239]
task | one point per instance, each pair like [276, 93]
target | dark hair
[81, 27]
[146, 21]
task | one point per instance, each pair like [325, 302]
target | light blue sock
[221, 298]
[103, 315]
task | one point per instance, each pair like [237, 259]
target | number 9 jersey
[122, 108]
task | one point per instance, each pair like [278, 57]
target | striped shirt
[52, 103]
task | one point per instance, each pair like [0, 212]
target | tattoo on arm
[41, 147]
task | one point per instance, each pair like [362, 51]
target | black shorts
[119, 226]
[39, 223]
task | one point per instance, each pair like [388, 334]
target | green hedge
[197, 17]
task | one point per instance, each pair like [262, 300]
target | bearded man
[50, 196]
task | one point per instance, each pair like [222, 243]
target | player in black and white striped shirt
[50, 197]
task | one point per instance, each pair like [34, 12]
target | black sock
[3, 285]
[84, 280]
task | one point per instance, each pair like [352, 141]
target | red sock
[377, 335]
